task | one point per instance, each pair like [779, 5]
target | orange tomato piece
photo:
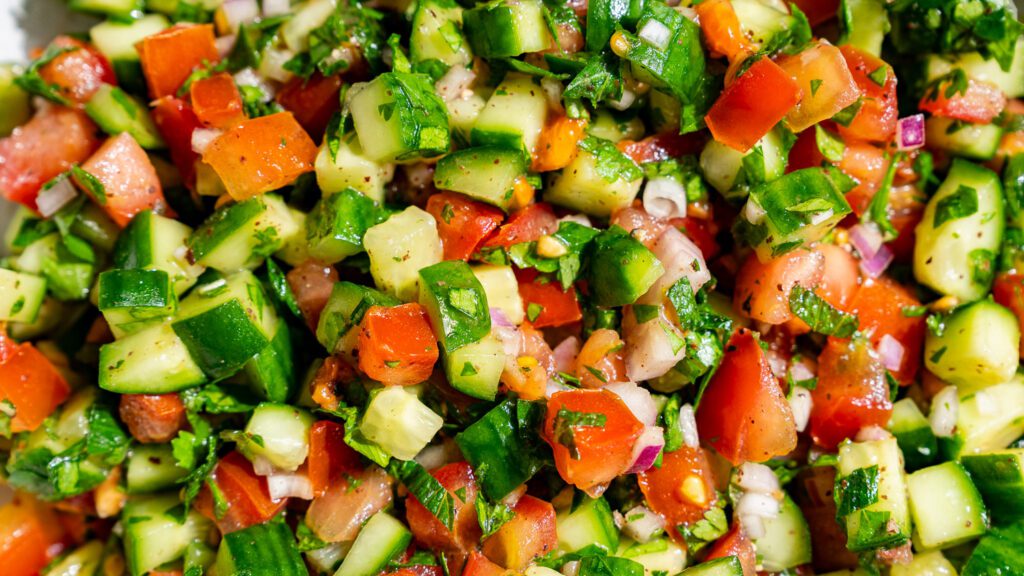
[876, 119]
[735, 543]
[752, 105]
[458, 479]
[396, 345]
[743, 414]
[601, 361]
[78, 73]
[152, 418]
[170, 56]
[261, 154]
[312, 100]
[825, 82]
[762, 288]
[246, 493]
[682, 489]
[529, 534]
[217, 101]
[980, 104]
[29, 381]
[601, 452]
[479, 565]
[852, 392]
[30, 536]
[462, 223]
[329, 457]
[546, 304]
[525, 225]
[879, 305]
[721, 28]
[129, 180]
[558, 144]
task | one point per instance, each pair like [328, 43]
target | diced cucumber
[308, 17]
[914, 434]
[437, 33]
[502, 290]
[486, 173]
[979, 346]
[657, 556]
[864, 24]
[344, 310]
[271, 373]
[475, 369]
[241, 235]
[295, 250]
[67, 276]
[116, 8]
[152, 468]
[283, 433]
[987, 420]
[115, 112]
[350, 168]
[225, 323]
[21, 296]
[153, 535]
[973, 141]
[886, 521]
[787, 539]
[398, 422]
[760, 21]
[154, 242]
[514, 115]
[588, 523]
[399, 247]
[960, 234]
[456, 304]
[95, 227]
[83, 561]
[615, 127]
[946, 507]
[677, 65]
[335, 226]
[507, 28]
[150, 361]
[621, 268]
[582, 187]
[727, 566]
[15, 106]
[260, 550]
[463, 112]
[19, 229]
[133, 299]
[116, 39]
[999, 476]
[983, 70]
[398, 117]
[380, 539]
[733, 173]
[926, 564]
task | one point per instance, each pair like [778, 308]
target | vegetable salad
[516, 288]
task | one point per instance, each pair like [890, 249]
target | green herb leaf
[427, 489]
[91, 184]
[491, 515]
[821, 316]
[856, 491]
[831, 147]
[567, 420]
[611, 164]
[959, 204]
[33, 83]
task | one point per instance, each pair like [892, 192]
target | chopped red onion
[867, 239]
[498, 318]
[52, 199]
[646, 449]
[565, 354]
[637, 399]
[891, 352]
[876, 265]
[910, 132]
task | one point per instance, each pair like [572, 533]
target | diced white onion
[680, 257]
[688, 426]
[986, 404]
[649, 347]
[753, 212]
[665, 198]
[571, 568]
[455, 83]
[52, 199]
[225, 44]
[202, 137]
[642, 524]
[801, 370]
[945, 408]
[289, 485]
[432, 457]
[637, 399]
[238, 12]
[624, 101]
[276, 7]
[753, 526]
[819, 217]
[655, 33]
[553, 89]
[871, 434]
[754, 504]
[800, 402]
[272, 65]
[580, 219]
[262, 467]
[249, 77]
[891, 352]
[757, 478]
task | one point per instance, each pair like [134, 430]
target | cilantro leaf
[33, 83]
[611, 164]
[491, 515]
[567, 420]
[427, 489]
[821, 316]
[959, 204]
[856, 491]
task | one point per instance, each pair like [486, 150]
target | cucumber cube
[240, 236]
[926, 564]
[884, 522]
[115, 111]
[946, 507]
[153, 536]
[436, 33]
[456, 303]
[979, 346]
[582, 187]
[151, 361]
[344, 310]
[588, 524]
[999, 477]
[68, 277]
[398, 422]
[621, 269]
[21, 296]
[350, 168]
[502, 290]
[154, 242]
[398, 117]
[271, 373]
[507, 28]
[728, 566]
[379, 540]
[988, 419]
[283, 433]
[15, 107]
[475, 369]
[132, 299]
[116, 39]
[152, 468]
[261, 549]
[914, 434]
[336, 225]
[513, 116]
[487, 174]
[399, 247]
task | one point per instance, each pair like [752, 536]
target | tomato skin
[176, 122]
[743, 413]
[980, 104]
[129, 179]
[169, 57]
[338, 515]
[526, 225]
[529, 534]
[77, 74]
[152, 418]
[216, 101]
[429, 531]
[852, 392]
[462, 223]
[604, 451]
[762, 288]
[818, 11]
[312, 100]
[601, 352]
[736, 543]
[246, 493]
[312, 282]
[29, 536]
[700, 232]
[479, 565]
[43, 148]
[682, 489]
[558, 307]
[329, 457]
[834, 87]
[1008, 290]
[30, 382]
[662, 146]
[399, 334]
[876, 119]
[419, 570]
[721, 28]
[879, 305]
[752, 105]
[866, 164]
[839, 282]
[558, 144]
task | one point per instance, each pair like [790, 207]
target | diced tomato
[246, 494]
[217, 101]
[804, 153]
[867, 164]
[545, 302]
[880, 304]
[601, 360]
[818, 11]
[814, 494]
[558, 144]
[698, 231]
[980, 104]
[397, 345]
[736, 543]
[752, 105]
[43, 148]
[839, 281]
[601, 452]
[743, 413]
[338, 515]
[152, 418]
[130, 182]
[329, 457]
[312, 100]
[418, 570]
[852, 392]
[30, 536]
[526, 225]
[170, 56]
[30, 382]
[762, 288]
[825, 83]
[462, 223]
[479, 565]
[876, 119]
[312, 283]
[261, 154]
[529, 534]
[78, 73]
[721, 28]
[457, 478]
[658, 147]
[176, 122]
[1008, 290]
[682, 489]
